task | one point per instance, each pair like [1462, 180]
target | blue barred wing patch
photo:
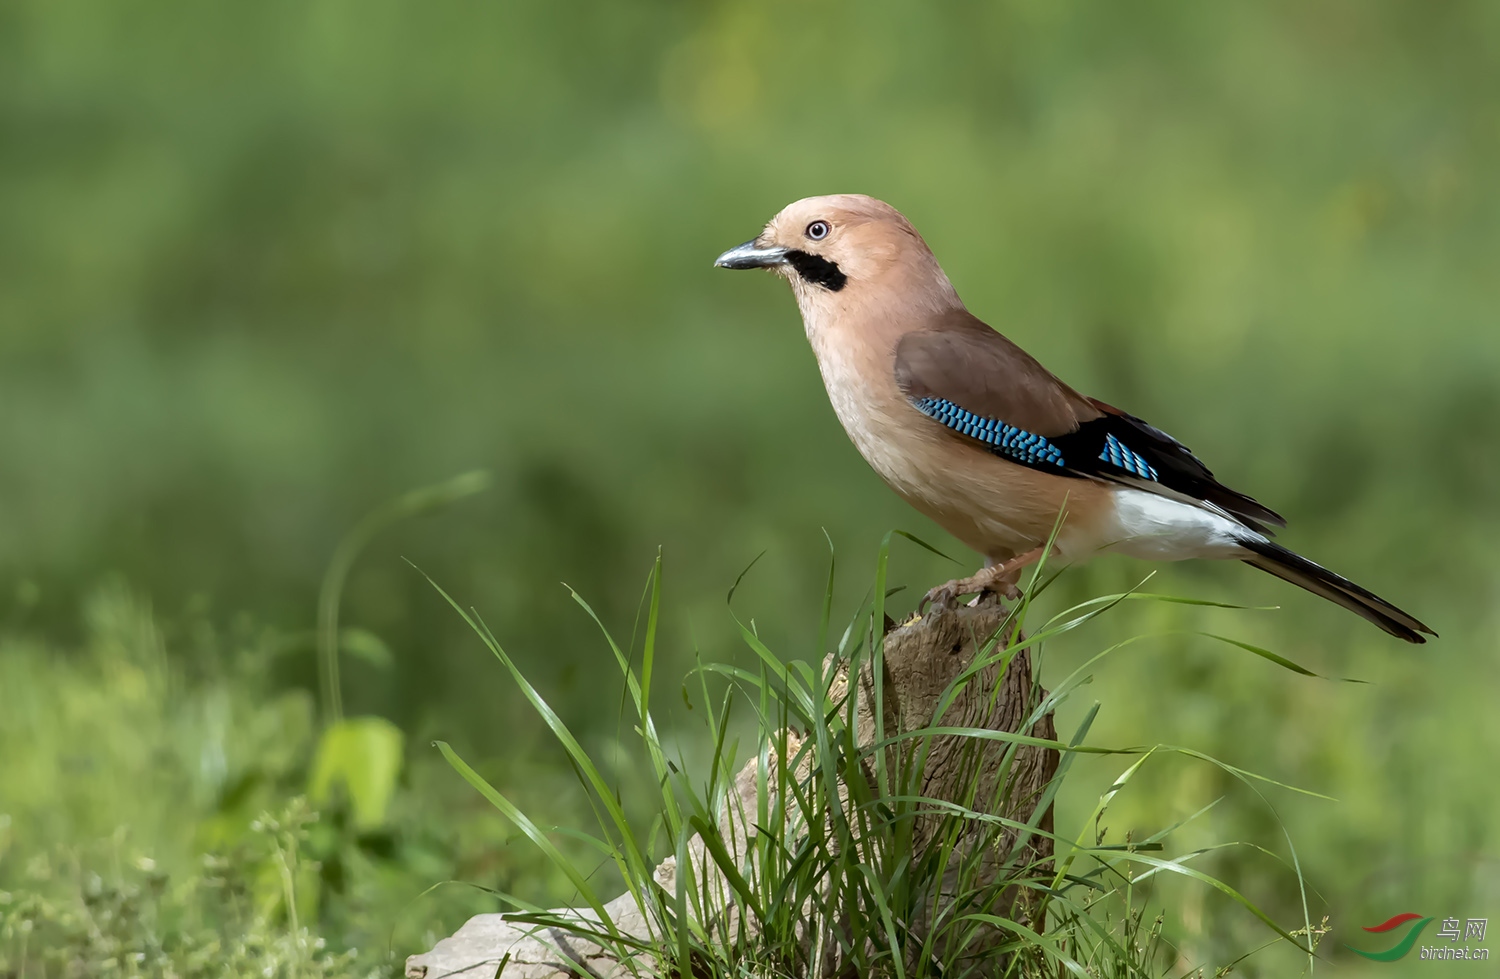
[1030, 449]
[1117, 454]
[1000, 438]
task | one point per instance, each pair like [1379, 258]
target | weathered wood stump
[921, 659]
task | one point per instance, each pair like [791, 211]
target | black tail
[1291, 566]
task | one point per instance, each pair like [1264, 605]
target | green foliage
[151, 820]
[237, 915]
[363, 756]
[823, 864]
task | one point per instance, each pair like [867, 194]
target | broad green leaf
[362, 754]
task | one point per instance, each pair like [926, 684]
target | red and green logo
[1405, 945]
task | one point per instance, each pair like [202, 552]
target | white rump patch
[1158, 528]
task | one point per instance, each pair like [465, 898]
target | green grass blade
[633, 863]
[537, 837]
[1279, 660]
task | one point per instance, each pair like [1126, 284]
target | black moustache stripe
[818, 271]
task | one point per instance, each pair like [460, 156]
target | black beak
[751, 256]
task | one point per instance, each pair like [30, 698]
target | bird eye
[818, 230]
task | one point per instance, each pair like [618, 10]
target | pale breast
[995, 507]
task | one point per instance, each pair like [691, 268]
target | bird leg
[997, 578]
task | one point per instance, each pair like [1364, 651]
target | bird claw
[941, 598]
[944, 597]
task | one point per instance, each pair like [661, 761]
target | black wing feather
[1172, 464]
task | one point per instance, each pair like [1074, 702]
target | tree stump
[921, 659]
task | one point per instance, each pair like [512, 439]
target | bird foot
[944, 597]
[999, 580]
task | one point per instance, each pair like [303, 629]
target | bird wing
[989, 391]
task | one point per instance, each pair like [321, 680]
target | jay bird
[973, 432]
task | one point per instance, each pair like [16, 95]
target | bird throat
[816, 270]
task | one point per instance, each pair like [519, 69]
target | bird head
[842, 249]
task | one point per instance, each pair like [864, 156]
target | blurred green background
[265, 266]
